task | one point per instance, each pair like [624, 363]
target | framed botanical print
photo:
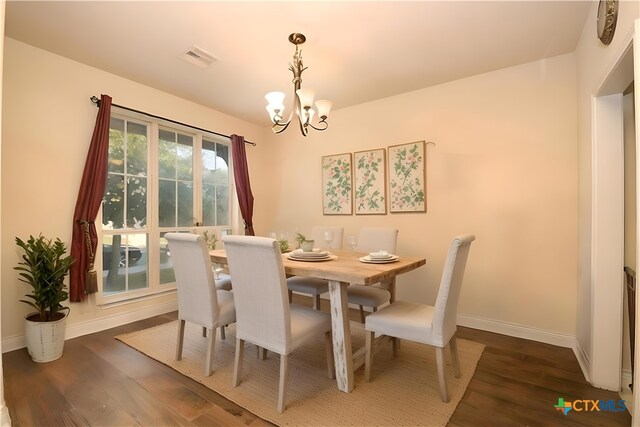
[337, 184]
[407, 177]
[369, 193]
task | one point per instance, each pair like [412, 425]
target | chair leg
[204, 332]
[331, 367]
[237, 366]
[441, 374]
[368, 359]
[453, 346]
[181, 324]
[222, 333]
[361, 314]
[290, 296]
[284, 376]
[208, 370]
[316, 302]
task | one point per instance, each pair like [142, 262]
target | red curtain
[89, 199]
[243, 186]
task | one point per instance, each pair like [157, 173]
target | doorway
[609, 235]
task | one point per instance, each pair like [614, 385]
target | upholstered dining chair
[308, 285]
[199, 301]
[264, 316]
[426, 324]
[372, 239]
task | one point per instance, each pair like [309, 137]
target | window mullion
[197, 179]
[153, 236]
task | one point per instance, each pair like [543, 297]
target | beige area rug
[403, 391]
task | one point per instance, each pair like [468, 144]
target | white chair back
[446, 307]
[260, 291]
[317, 234]
[197, 297]
[373, 239]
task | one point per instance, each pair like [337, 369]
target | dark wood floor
[101, 382]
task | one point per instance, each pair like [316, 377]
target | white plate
[367, 259]
[300, 251]
[378, 255]
[315, 254]
[328, 257]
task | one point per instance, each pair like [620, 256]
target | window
[190, 194]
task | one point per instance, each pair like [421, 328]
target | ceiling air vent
[199, 57]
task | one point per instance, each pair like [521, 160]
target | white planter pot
[45, 340]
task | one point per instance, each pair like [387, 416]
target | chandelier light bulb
[275, 106]
[324, 107]
[306, 97]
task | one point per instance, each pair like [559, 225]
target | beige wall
[503, 166]
[47, 126]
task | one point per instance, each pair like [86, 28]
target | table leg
[341, 335]
[391, 287]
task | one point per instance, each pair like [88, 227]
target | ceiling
[356, 51]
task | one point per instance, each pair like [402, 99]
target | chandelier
[303, 98]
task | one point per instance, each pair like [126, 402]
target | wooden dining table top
[345, 268]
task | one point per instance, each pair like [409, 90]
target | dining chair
[264, 316]
[308, 285]
[372, 239]
[426, 324]
[199, 301]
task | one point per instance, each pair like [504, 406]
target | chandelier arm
[279, 123]
[326, 125]
[303, 127]
[283, 127]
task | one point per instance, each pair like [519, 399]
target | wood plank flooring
[101, 382]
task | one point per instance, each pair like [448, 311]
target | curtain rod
[96, 101]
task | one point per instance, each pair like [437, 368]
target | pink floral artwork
[369, 192]
[336, 184]
[407, 178]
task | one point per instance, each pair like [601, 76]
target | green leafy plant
[284, 245]
[299, 239]
[211, 240]
[44, 267]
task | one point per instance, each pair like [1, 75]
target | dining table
[344, 268]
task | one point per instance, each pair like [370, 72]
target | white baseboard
[583, 361]
[525, 332]
[96, 325]
[518, 331]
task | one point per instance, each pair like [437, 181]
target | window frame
[152, 228]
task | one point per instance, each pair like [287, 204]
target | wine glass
[352, 241]
[328, 238]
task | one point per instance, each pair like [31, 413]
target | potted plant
[300, 238]
[210, 239]
[303, 243]
[44, 266]
[284, 245]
